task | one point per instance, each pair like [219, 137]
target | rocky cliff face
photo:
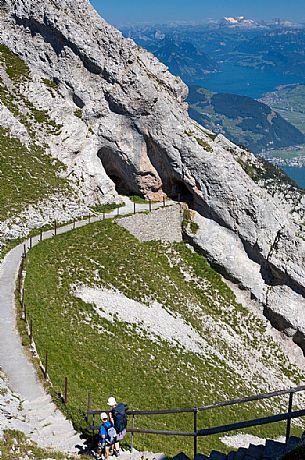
[125, 128]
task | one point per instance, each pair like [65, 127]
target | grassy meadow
[111, 357]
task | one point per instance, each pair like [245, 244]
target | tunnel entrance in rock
[120, 172]
[119, 183]
[180, 192]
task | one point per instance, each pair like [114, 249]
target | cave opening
[120, 185]
[179, 191]
[120, 172]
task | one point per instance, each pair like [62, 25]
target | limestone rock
[125, 124]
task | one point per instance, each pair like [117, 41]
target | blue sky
[132, 11]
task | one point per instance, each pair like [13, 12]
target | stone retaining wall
[162, 224]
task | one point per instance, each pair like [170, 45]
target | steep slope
[243, 120]
[289, 101]
[136, 120]
[167, 328]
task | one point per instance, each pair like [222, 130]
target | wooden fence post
[289, 420]
[25, 313]
[134, 207]
[132, 434]
[88, 406]
[40, 236]
[66, 391]
[104, 214]
[163, 201]
[195, 431]
[31, 331]
[149, 204]
[22, 264]
[46, 366]
[19, 280]
[31, 242]
[24, 250]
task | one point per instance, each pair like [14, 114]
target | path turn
[43, 422]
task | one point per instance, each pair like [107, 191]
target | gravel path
[44, 423]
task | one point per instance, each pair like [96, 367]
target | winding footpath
[39, 418]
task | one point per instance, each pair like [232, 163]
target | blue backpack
[120, 417]
[110, 432]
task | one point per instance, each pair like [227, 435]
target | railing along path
[195, 433]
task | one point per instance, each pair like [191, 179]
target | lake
[246, 81]
[297, 174]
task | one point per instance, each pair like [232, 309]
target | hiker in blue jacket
[118, 417]
[107, 436]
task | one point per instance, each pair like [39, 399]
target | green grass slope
[289, 101]
[107, 357]
[27, 173]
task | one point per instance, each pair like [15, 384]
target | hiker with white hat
[107, 436]
[118, 417]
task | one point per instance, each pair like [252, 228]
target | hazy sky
[133, 11]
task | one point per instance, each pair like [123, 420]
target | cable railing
[204, 432]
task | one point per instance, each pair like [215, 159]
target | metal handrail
[229, 402]
[218, 429]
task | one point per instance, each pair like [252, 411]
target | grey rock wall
[135, 134]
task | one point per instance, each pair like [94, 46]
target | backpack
[110, 433]
[120, 417]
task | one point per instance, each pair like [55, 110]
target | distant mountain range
[242, 21]
[192, 52]
[183, 58]
[245, 42]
